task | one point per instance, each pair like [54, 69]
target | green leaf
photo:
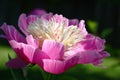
[11, 70]
[106, 32]
[93, 26]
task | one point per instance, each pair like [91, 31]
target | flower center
[50, 29]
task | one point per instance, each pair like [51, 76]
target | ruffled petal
[12, 34]
[24, 22]
[31, 41]
[99, 60]
[54, 66]
[38, 56]
[47, 16]
[84, 57]
[57, 66]
[61, 19]
[82, 28]
[104, 54]
[71, 61]
[53, 49]
[42, 14]
[31, 19]
[88, 57]
[16, 63]
[93, 43]
[24, 51]
[38, 12]
[73, 22]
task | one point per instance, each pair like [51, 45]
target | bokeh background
[102, 18]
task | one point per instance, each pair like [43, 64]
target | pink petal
[99, 60]
[69, 54]
[53, 49]
[60, 19]
[31, 19]
[85, 57]
[93, 43]
[38, 12]
[39, 55]
[47, 16]
[16, 63]
[31, 41]
[88, 57]
[24, 22]
[12, 34]
[24, 51]
[82, 28]
[57, 66]
[71, 62]
[54, 66]
[104, 54]
[73, 22]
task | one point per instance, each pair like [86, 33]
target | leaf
[106, 32]
[93, 26]
[11, 70]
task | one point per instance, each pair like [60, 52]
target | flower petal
[31, 19]
[84, 57]
[72, 61]
[31, 41]
[12, 34]
[93, 43]
[74, 22]
[53, 66]
[24, 51]
[82, 28]
[99, 60]
[57, 66]
[38, 12]
[89, 57]
[39, 55]
[24, 22]
[53, 49]
[60, 19]
[16, 63]
[104, 54]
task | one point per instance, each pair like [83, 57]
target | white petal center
[50, 29]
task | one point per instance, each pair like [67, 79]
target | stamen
[44, 29]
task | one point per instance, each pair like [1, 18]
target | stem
[12, 72]
[24, 70]
[13, 75]
[45, 75]
[49, 76]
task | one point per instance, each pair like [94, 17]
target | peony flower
[53, 42]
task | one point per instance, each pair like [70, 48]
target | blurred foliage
[106, 32]
[93, 26]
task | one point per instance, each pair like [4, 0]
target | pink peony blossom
[53, 42]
